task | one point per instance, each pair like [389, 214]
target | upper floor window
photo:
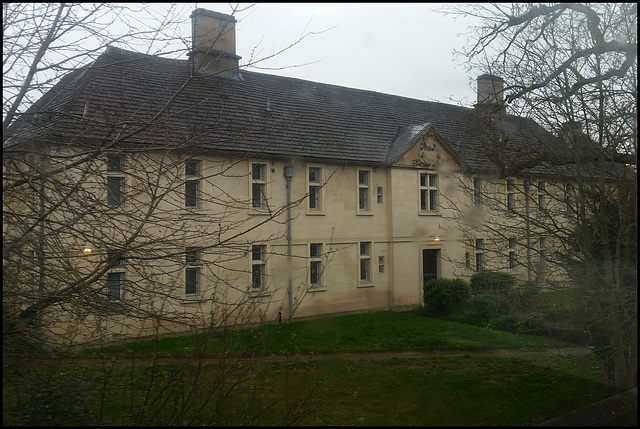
[192, 271]
[115, 181]
[511, 195]
[363, 190]
[477, 192]
[568, 196]
[315, 186]
[365, 262]
[315, 264]
[115, 164]
[258, 261]
[118, 263]
[542, 198]
[428, 192]
[379, 195]
[192, 183]
[258, 186]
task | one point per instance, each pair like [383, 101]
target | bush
[442, 296]
[532, 323]
[494, 282]
[487, 305]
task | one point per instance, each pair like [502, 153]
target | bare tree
[573, 69]
[90, 194]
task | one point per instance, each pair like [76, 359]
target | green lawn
[420, 391]
[367, 332]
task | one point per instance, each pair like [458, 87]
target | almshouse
[157, 194]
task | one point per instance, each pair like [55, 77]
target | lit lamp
[86, 249]
[436, 239]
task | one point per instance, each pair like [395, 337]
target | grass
[418, 391]
[367, 332]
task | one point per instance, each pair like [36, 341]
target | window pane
[257, 196]
[315, 273]
[479, 262]
[379, 194]
[364, 248]
[432, 180]
[115, 163]
[192, 256]
[314, 175]
[423, 179]
[192, 281]
[257, 276]
[423, 199]
[314, 197]
[363, 199]
[257, 253]
[192, 168]
[315, 250]
[364, 270]
[363, 177]
[433, 200]
[115, 284]
[257, 172]
[119, 263]
[115, 191]
[191, 193]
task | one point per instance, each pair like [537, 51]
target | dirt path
[574, 351]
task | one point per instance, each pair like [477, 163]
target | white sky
[403, 49]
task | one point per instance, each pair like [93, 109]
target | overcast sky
[396, 48]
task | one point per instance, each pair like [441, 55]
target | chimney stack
[214, 43]
[490, 95]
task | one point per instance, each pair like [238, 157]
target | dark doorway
[429, 264]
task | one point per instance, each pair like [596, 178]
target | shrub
[532, 323]
[484, 305]
[442, 296]
[494, 282]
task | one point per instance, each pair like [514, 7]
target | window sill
[193, 299]
[421, 213]
[315, 213]
[258, 212]
[365, 285]
[259, 293]
[314, 289]
[364, 213]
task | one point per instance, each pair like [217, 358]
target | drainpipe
[40, 251]
[288, 174]
[527, 187]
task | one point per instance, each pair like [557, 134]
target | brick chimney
[214, 43]
[490, 95]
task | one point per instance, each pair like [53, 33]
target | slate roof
[262, 115]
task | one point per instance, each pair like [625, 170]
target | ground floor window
[365, 262]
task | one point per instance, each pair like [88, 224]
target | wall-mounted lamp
[436, 238]
[86, 249]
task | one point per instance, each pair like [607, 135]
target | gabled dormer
[422, 146]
